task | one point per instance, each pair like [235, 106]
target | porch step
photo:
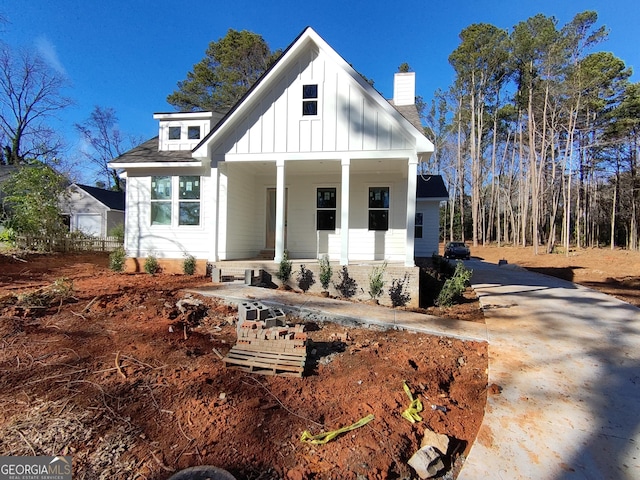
[266, 254]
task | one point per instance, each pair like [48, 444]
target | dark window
[310, 100]
[378, 208]
[189, 204]
[174, 133]
[193, 133]
[418, 227]
[326, 209]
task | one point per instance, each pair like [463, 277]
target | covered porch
[312, 208]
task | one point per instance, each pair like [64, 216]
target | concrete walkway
[567, 359]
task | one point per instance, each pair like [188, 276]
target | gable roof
[148, 154]
[109, 198]
[431, 187]
[308, 35]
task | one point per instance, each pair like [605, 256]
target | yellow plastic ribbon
[323, 438]
[415, 407]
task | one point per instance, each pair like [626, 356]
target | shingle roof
[431, 186]
[410, 112]
[148, 153]
[113, 200]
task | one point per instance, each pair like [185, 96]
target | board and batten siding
[166, 241]
[348, 119]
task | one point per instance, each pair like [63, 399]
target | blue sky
[130, 54]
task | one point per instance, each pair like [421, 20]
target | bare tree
[30, 94]
[106, 142]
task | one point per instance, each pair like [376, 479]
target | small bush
[398, 291]
[151, 265]
[284, 269]
[8, 235]
[117, 259]
[325, 272]
[454, 287]
[347, 286]
[305, 278]
[376, 282]
[118, 232]
[189, 265]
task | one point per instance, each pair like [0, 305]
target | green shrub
[189, 265]
[284, 269]
[118, 232]
[454, 287]
[398, 292]
[325, 272]
[151, 265]
[305, 278]
[376, 282]
[8, 235]
[117, 259]
[347, 286]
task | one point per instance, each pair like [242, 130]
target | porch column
[344, 213]
[412, 179]
[280, 189]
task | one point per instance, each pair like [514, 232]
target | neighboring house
[91, 210]
[431, 191]
[312, 160]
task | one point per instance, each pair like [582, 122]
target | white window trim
[379, 185]
[337, 209]
[175, 205]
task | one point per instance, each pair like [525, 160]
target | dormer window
[174, 133]
[310, 99]
[193, 133]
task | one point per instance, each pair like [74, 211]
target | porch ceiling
[307, 167]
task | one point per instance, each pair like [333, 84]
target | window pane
[418, 232]
[174, 133]
[326, 198]
[310, 91]
[310, 108]
[326, 220]
[161, 213]
[189, 213]
[189, 188]
[419, 218]
[160, 188]
[378, 220]
[379, 197]
[193, 133]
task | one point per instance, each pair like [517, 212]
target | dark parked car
[456, 250]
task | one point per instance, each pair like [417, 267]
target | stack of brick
[265, 329]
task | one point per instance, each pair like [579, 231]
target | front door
[270, 241]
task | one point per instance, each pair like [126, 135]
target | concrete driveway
[567, 359]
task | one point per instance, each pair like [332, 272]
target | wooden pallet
[252, 360]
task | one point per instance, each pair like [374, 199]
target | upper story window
[326, 209]
[174, 133]
[193, 133]
[378, 208]
[310, 99]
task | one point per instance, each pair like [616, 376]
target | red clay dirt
[98, 367]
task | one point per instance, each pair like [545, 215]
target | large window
[326, 208]
[378, 208]
[160, 200]
[163, 202]
[310, 100]
[189, 204]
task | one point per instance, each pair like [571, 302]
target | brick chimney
[404, 88]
